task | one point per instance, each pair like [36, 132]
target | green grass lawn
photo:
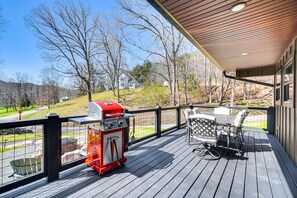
[11, 112]
[142, 131]
[78, 106]
[262, 124]
[2, 150]
[27, 136]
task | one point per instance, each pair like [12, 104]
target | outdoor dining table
[224, 121]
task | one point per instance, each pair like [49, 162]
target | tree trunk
[210, 84]
[233, 94]
[89, 90]
[244, 91]
[210, 91]
[205, 75]
[118, 88]
[186, 84]
[221, 91]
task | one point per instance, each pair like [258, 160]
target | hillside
[10, 93]
[78, 106]
[147, 97]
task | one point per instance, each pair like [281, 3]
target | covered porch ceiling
[255, 37]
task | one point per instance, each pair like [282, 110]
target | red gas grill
[105, 148]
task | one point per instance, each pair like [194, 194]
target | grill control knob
[121, 123]
[110, 125]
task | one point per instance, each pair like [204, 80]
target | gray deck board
[213, 182]
[224, 187]
[178, 179]
[164, 176]
[135, 183]
[251, 189]
[264, 187]
[282, 168]
[238, 184]
[183, 188]
[142, 161]
[146, 185]
[146, 171]
[273, 175]
[166, 167]
[201, 181]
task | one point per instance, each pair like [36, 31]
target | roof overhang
[264, 30]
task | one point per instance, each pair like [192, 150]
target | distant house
[133, 84]
[64, 99]
[165, 83]
[125, 82]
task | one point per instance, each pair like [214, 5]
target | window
[278, 77]
[288, 83]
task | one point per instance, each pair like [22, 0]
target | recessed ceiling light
[238, 7]
[244, 54]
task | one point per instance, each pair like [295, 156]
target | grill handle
[115, 115]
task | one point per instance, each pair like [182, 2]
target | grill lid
[104, 110]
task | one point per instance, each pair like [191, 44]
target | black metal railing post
[158, 121]
[126, 132]
[52, 147]
[271, 120]
[178, 117]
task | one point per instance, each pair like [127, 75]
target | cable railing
[34, 149]
[255, 121]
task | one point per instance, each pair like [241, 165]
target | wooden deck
[166, 167]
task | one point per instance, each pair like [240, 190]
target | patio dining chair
[245, 114]
[196, 110]
[204, 129]
[234, 130]
[188, 113]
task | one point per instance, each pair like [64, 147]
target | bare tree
[111, 59]
[50, 85]
[165, 36]
[67, 34]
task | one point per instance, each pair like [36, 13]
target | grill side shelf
[85, 120]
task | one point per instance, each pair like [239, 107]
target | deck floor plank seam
[277, 188]
[168, 189]
[65, 181]
[186, 184]
[167, 176]
[125, 172]
[128, 167]
[212, 184]
[147, 183]
[238, 183]
[287, 161]
[283, 172]
[225, 184]
[251, 188]
[124, 191]
[142, 173]
[200, 182]
[264, 187]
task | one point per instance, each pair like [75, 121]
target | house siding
[285, 112]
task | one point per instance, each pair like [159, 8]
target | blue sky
[18, 46]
